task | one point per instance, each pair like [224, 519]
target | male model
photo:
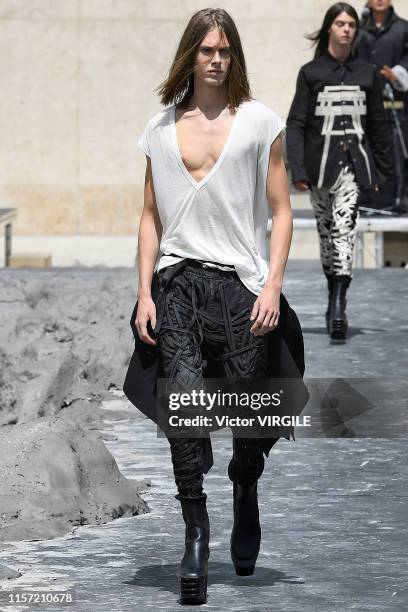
[209, 301]
[383, 42]
[337, 142]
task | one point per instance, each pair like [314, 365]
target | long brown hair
[178, 88]
[320, 38]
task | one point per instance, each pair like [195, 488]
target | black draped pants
[207, 314]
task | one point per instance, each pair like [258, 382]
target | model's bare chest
[201, 141]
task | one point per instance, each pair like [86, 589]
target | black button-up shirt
[387, 45]
[337, 118]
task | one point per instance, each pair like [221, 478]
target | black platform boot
[193, 570]
[246, 531]
[338, 317]
[329, 278]
[245, 469]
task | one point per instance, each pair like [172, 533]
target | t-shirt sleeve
[144, 140]
[273, 126]
[270, 127]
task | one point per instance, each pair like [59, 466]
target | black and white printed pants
[207, 314]
[336, 212]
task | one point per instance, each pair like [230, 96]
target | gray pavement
[333, 511]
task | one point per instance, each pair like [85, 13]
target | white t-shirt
[222, 218]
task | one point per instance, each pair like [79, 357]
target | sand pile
[65, 341]
[6, 573]
[54, 476]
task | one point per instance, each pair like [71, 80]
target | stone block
[30, 260]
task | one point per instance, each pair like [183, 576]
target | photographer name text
[225, 421]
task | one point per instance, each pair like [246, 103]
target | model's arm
[266, 306]
[150, 231]
[377, 131]
[398, 74]
[295, 132]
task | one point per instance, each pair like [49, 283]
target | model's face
[343, 30]
[379, 5]
[213, 58]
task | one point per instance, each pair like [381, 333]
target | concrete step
[30, 260]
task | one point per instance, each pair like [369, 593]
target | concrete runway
[333, 511]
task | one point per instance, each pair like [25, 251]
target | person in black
[337, 142]
[383, 41]
[195, 319]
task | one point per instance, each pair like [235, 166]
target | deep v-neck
[198, 184]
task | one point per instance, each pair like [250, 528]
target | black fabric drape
[285, 356]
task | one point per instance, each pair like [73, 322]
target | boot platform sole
[244, 567]
[193, 590]
[244, 571]
[338, 331]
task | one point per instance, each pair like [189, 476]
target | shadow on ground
[164, 577]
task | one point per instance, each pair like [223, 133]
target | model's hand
[376, 188]
[146, 311]
[389, 74]
[266, 310]
[301, 185]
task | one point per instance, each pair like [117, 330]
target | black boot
[193, 568]
[246, 532]
[329, 278]
[338, 317]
